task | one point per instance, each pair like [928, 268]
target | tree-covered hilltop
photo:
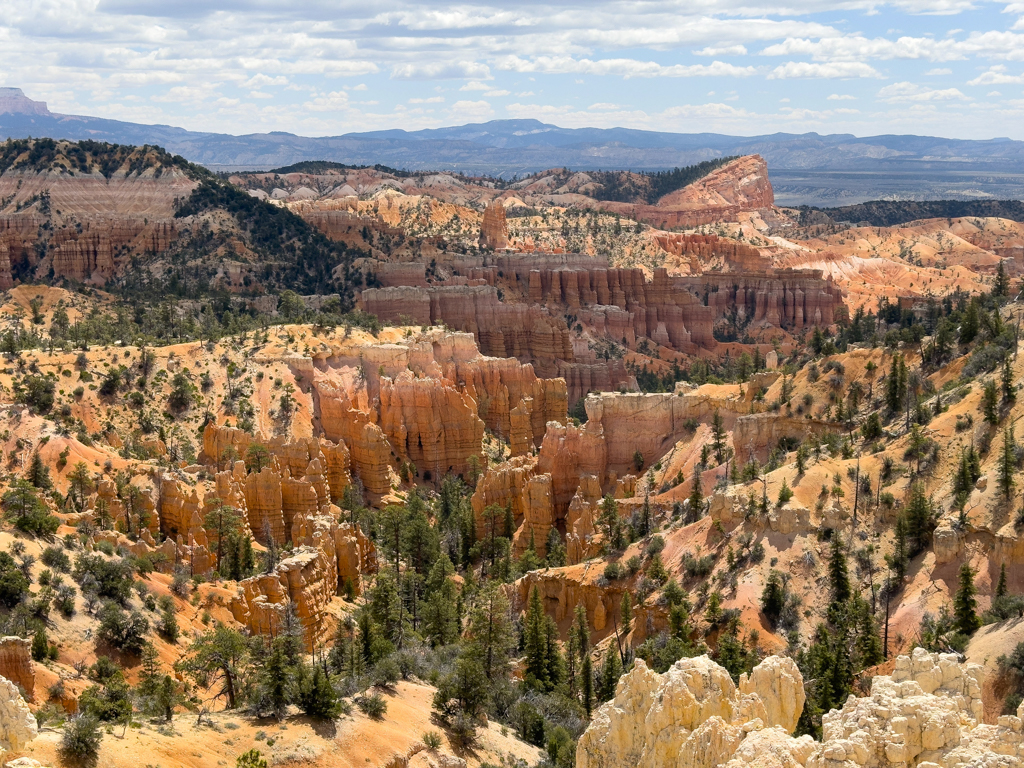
[889, 213]
[292, 253]
[87, 157]
[649, 187]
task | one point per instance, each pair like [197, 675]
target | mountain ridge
[809, 168]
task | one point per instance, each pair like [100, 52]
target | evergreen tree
[900, 550]
[1006, 382]
[773, 597]
[626, 612]
[221, 522]
[535, 643]
[970, 324]
[718, 437]
[838, 573]
[587, 685]
[274, 680]
[318, 698]
[222, 653]
[869, 642]
[1001, 586]
[1007, 464]
[896, 384]
[965, 603]
[440, 614]
[611, 671]
[1001, 285]
[490, 631]
[38, 473]
[920, 521]
[556, 554]
[990, 403]
[697, 494]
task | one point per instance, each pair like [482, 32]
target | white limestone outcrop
[927, 714]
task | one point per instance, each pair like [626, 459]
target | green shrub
[432, 739]
[373, 705]
[80, 744]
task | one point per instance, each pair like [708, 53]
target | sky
[952, 68]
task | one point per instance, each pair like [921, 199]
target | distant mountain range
[809, 168]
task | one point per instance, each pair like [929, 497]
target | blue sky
[940, 67]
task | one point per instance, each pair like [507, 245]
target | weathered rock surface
[16, 664]
[927, 713]
[17, 723]
[494, 227]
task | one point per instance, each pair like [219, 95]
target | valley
[352, 465]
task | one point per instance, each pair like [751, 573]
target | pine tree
[534, 643]
[587, 686]
[611, 671]
[490, 630]
[970, 324]
[697, 494]
[1001, 285]
[965, 603]
[38, 473]
[510, 522]
[869, 643]
[801, 459]
[1001, 586]
[1007, 464]
[920, 520]
[318, 698]
[773, 597]
[838, 573]
[440, 616]
[554, 662]
[166, 696]
[626, 612]
[718, 437]
[900, 549]
[1006, 382]
[990, 403]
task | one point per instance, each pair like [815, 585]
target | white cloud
[835, 70]
[996, 75]
[728, 50]
[329, 102]
[260, 80]
[604, 106]
[497, 93]
[841, 97]
[938, 71]
[475, 85]
[441, 70]
[911, 92]
[471, 110]
[431, 100]
[620, 67]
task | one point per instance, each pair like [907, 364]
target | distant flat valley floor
[833, 188]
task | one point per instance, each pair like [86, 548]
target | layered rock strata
[16, 664]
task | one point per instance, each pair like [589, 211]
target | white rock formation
[925, 715]
[17, 723]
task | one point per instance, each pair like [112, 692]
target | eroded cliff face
[328, 560]
[619, 305]
[722, 195]
[85, 227]
[426, 401]
[17, 723]
[927, 713]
